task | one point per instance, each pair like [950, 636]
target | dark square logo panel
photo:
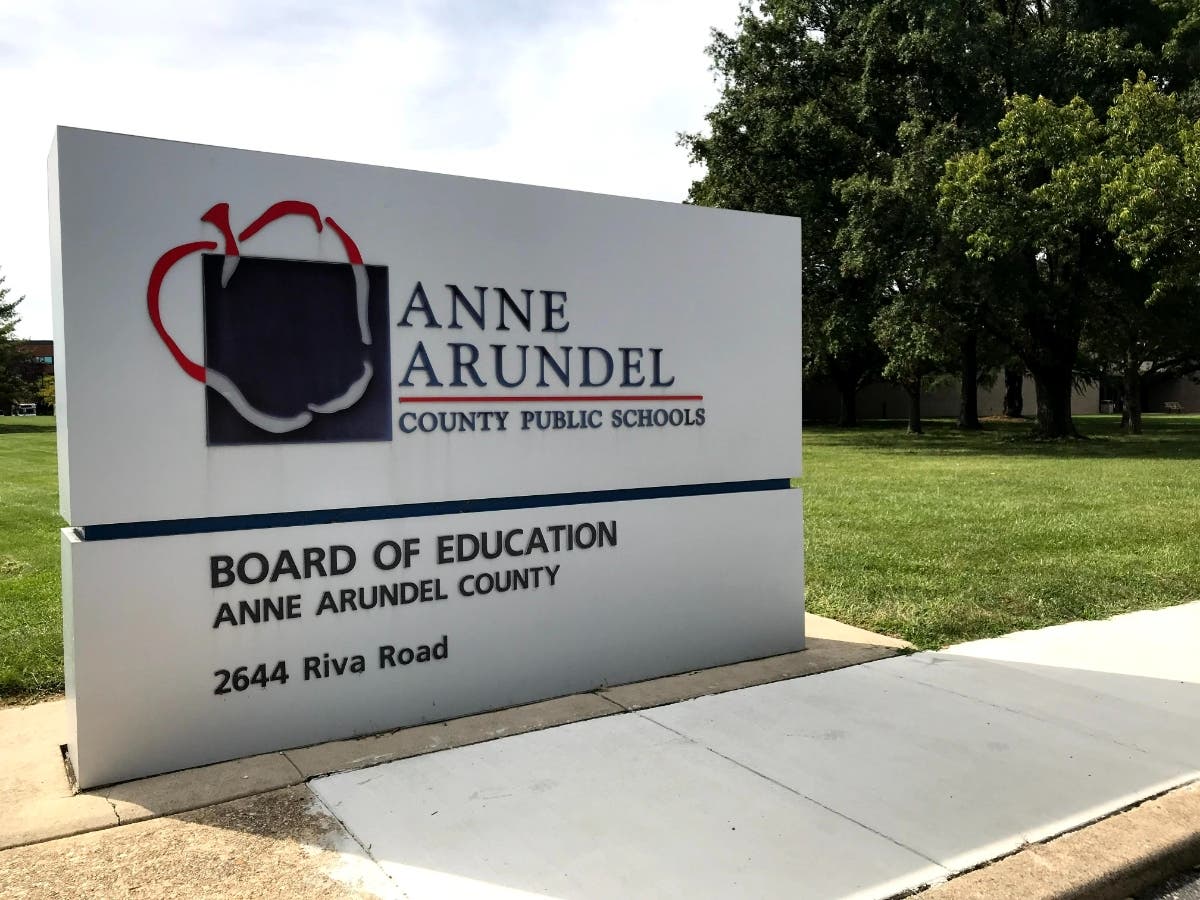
[286, 333]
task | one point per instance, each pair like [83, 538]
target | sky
[581, 94]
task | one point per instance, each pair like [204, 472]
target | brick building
[39, 363]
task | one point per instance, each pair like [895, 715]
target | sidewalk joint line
[620, 707]
[300, 775]
[366, 848]
[799, 794]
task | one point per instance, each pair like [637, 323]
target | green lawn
[937, 538]
[30, 602]
[947, 537]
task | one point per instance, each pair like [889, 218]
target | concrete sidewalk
[866, 781]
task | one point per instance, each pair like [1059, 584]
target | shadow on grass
[1173, 437]
[16, 425]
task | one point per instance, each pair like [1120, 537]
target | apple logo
[292, 347]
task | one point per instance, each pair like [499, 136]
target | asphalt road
[1182, 887]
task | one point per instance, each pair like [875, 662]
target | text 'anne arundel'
[515, 365]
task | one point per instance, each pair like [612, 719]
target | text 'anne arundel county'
[526, 368]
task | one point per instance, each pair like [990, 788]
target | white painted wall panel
[717, 291]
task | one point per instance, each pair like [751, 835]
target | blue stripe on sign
[164, 527]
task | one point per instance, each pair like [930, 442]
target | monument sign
[345, 448]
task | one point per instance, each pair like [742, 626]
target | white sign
[196, 648]
[243, 333]
[345, 448]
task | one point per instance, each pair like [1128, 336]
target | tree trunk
[1014, 381]
[1054, 385]
[968, 406]
[1131, 418]
[848, 410]
[913, 389]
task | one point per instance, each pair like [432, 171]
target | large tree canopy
[844, 112]
[1078, 216]
[785, 131]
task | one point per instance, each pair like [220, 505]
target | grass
[31, 656]
[948, 537]
[937, 538]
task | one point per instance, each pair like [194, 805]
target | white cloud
[585, 95]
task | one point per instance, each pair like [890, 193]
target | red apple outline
[218, 216]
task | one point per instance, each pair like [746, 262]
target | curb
[1111, 859]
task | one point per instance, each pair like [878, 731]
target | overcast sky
[584, 94]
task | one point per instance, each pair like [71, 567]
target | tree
[1181, 51]
[45, 393]
[952, 66]
[1152, 193]
[839, 342]
[833, 109]
[1151, 196]
[785, 130]
[1028, 207]
[1135, 345]
[894, 236]
[13, 361]
[1014, 384]
[908, 331]
[1092, 223]
[1149, 328]
[891, 242]
[928, 81]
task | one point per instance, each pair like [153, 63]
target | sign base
[192, 649]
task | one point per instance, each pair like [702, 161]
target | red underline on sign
[566, 398]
